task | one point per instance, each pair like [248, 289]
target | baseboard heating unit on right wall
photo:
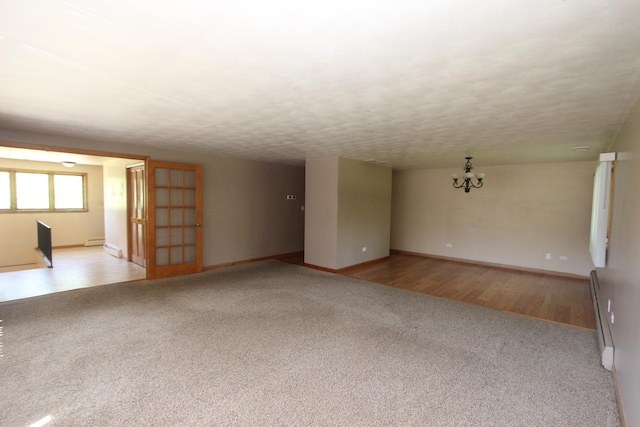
[112, 250]
[602, 323]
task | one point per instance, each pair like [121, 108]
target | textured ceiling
[412, 83]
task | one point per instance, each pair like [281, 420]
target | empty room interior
[319, 213]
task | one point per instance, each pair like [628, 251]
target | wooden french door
[175, 219]
[137, 213]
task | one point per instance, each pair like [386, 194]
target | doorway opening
[72, 253]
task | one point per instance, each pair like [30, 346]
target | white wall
[246, 211]
[18, 230]
[522, 213]
[619, 280]
[364, 212]
[321, 212]
[115, 203]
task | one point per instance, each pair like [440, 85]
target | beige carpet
[277, 344]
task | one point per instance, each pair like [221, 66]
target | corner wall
[522, 213]
[348, 209]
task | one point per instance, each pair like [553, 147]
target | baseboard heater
[94, 242]
[112, 250]
[602, 324]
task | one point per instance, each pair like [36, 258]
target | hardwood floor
[74, 268]
[542, 296]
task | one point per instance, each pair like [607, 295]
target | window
[22, 191]
[32, 190]
[5, 190]
[68, 191]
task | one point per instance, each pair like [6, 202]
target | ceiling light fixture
[467, 182]
[68, 164]
[376, 161]
[583, 148]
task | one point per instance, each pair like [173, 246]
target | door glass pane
[176, 197]
[176, 236]
[162, 177]
[176, 255]
[162, 197]
[189, 235]
[68, 191]
[162, 217]
[140, 204]
[189, 197]
[5, 191]
[189, 253]
[32, 190]
[176, 216]
[175, 179]
[189, 216]
[162, 236]
[162, 256]
[190, 179]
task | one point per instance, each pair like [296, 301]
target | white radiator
[94, 242]
[602, 324]
[112, 250]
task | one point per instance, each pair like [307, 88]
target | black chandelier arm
[474, 185]
[467, 183]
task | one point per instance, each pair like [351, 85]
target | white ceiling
[414, 83]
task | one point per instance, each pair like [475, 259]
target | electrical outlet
[548, 255]
[291, 197]
[562, 258]
[608, 306]
[364, 249]
[449, 245]
[612, 319]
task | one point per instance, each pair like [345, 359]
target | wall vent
[602, 324]
[112, 250]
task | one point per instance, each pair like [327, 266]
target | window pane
[176, 217]
[162, 237]
[190, 254]
[176, 236]
[162, 177]
[162, 256]
[5, 191]
[32, 190]
[189, 179]
[175, 178]
[68, 191]
[176, 255]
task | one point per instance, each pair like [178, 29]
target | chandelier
[468, 176]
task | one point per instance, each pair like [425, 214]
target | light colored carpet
[271, 343]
